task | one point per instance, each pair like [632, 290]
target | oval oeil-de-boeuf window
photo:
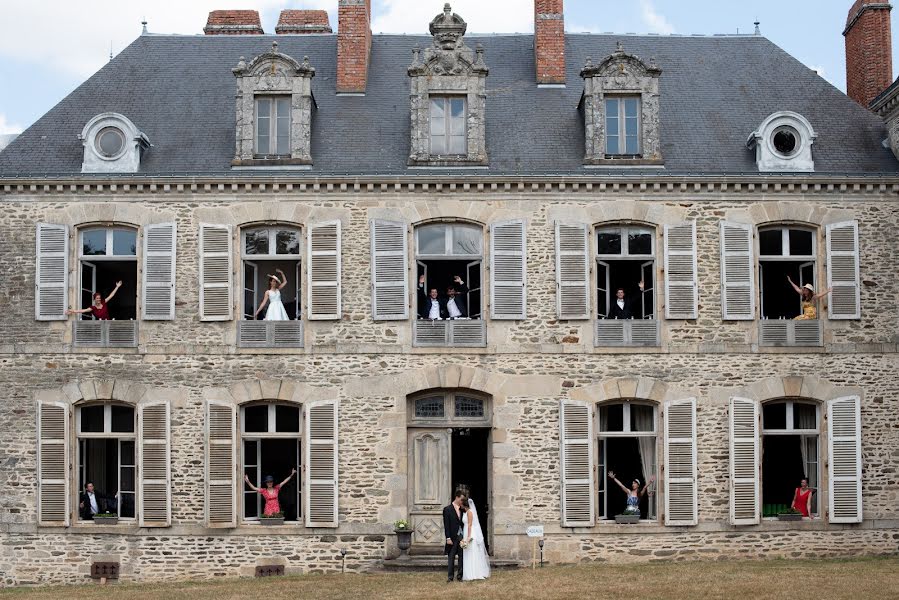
[110, 141]
[786, 140]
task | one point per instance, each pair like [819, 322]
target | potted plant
[106, 518]
[403, 536]
[627, 518]
[790, 514]
[272, 519]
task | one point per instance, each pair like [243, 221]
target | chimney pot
[303, 21]
[549, 41]
[869, 53]
[353, 45]
[233, 22]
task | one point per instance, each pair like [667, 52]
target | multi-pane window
[107, 458]
[625, 258]
[268, 251]
[273, 126]
[429, 408]
[627, 448]
[622, 126]
[445, 252]
[785, 254]
[448, 130]
[271, 445]
[790, 433]
[108, 255]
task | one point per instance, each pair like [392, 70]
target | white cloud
[656, 22]
[6, 127]
[413, 16]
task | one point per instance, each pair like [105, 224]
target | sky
[49, 47]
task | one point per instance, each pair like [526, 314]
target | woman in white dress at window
[272, 296]
[474, 554]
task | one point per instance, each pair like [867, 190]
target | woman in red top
[270, 492]
[99, 308]
[802, 498]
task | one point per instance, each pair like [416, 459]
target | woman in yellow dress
[808, 300]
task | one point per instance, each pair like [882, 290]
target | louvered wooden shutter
[321, 464]
[572, 271]
[51, 280]
[158, 289]
[389, 271]
[155, 464]
[221, 464]
[744, 461]
[844, 438]
[324, 271]
[843, 270]
[508, 270]
[53, 463]
[576, 423]
[680, 462]
[215, 272]
[681, 294]
[737, 272]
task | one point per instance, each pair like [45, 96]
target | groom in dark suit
[452, 529]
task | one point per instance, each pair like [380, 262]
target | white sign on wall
[535, 531]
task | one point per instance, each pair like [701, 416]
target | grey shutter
[744, 461]
[844, 438]
[680, 463]
[681, 293]
[737, 272]
[158, 287]
[508, 270]
[215, 272]
[389, 271]
[154, 423]
[324, 271]
[221, 464]
[321, 464]
[843, 270]
[578, 492]
[51, 281]
[572, 271]
[53, 463]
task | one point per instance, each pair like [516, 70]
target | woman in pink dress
[270, 492]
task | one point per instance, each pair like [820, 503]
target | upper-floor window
[448, 125]
[107, 465]
[623, 125]
[108, 273]
[271, 273]
[272, 126]
[787, 261]
[449, 258]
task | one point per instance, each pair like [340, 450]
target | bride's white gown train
[475, 560]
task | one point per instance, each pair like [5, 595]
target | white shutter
[53, 463]
[744, 461]
[681, 294]
[737, 272]
[221, 447]
[321, 464]
[389, 271]
[154, 426]
[572, 271]
[508, 270]
[158, 287]
[578, 493]
[844, 445]
[324, 271]
[680, 462]
[843, 270]
[51, 280]
[215, 272]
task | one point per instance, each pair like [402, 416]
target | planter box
[789, 517]
[271, 521]
[106, 520]
[627, 519]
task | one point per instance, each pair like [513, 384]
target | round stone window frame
[797, 140]
[98, 148]
[90, 135]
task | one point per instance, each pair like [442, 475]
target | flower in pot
[106, 518]
[272, 519]
[403, 536]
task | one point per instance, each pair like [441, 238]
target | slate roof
[715, 90]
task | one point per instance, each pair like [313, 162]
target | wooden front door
[429, 485]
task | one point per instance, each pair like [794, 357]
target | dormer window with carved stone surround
[620, 105]
[274, 111]
[448, 98]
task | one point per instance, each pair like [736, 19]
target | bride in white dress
[474, 555]
[272, 296]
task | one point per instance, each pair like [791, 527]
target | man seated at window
[624, 307]
[434, 307]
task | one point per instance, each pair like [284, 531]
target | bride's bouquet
[464, 544]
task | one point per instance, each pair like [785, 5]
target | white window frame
[447, 123]
[245, 257]
[109, 246]
[622, 124]
[119, 436]
[273, 117]
[624, 231]
[785, 256]
[602, 477]
[790, 430]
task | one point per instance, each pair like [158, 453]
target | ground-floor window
[627, 447]
[106, 460]
[790, 453]
[271, 446]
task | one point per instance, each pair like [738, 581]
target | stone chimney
[233, 22]
[549, 42]
[353, 45]
[303, 21]
[869, 53]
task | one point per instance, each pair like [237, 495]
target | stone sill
[771, 525]
[271, 162]
[623, 162]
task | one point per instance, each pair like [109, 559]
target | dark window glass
[93, 242]
[92, 419]
[287, 242]
[770, 242]
[256, 419]
[608, 242]
[800, 242]
[126, 510]
[429, 408]
[639, 243]
[128, 478]
[785, 142]
[774, 416]
[128, 456]
[287, 419]
[611, 417]
[250, 457]
[122, 419]
[469, 407]
[642, 418]
[256, 242]
[124, 242]
[804, 416]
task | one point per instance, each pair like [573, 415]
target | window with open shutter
[155, 464]
[215, 272]
[321, 464]
[51, 281]
[508, 270]
[324, 271]
[158, 289]
[843, 270]
[737, 272]
[744, 461]
[680, 462]
[681, 294]
[572, 271]
[220, 464]
[389, 270]
[53, 463]
[844, 435]
[576, 432]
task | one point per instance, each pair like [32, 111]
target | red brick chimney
[869, 53]
[233, 22]
[353, 45]
[303, 21]
[549, 41]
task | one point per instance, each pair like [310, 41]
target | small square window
[287, 242]
[92, 419]
[429, 408]
[122, 419]
[256, 241]
[124, 242]
[256, 419]
[805, 416]
[470, 408]
[287, 418]
[642, 418]
[639, 242]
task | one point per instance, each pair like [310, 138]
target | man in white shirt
[89, 505]
[456, 305]
[622, 307]
[430, 305]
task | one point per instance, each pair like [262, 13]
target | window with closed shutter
[681, 482]
[389, 270]
[744, 461]
[576, 433]
[508, 270]
[51, 281]
[220, 465]
[158, 289]
[572, 271]
[155, 464]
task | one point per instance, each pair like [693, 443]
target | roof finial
[274, 47]
[110, 49]
[144, 24]
[447, 9]
[758, 30]
[619, 47]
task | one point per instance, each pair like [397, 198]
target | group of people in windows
[434, 306]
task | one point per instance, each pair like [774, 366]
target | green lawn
[859, 579]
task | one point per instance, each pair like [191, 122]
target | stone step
[437, 563]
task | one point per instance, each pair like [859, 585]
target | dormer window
[783, 143]
[112, 144]
[272, 126]
[623, 126]
[448, 135]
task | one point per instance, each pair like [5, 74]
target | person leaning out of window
[432, 306]
[624, 307]
[802, 498]
[100, 307]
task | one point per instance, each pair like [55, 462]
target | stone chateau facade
[711, 388]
